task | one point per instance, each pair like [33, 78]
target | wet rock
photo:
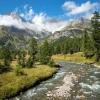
[64, 90]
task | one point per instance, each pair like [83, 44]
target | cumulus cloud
[74, 9]
[8, 20]
[40, 18]
[44, 22]
[27, 13]
[39, 22]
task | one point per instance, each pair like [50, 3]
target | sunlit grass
[76, 57]
[10, 84]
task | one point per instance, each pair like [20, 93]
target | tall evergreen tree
[88, 47]
[33, 48]
[45, 53]
[5, 54]
[95, 21]
[21, 58]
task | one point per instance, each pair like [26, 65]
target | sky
[50, 12]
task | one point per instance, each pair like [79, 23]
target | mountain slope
[73, 29]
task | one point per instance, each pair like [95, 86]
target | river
[72, 82]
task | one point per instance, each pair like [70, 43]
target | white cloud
[8, 20]
[43, 22]
[39, 22]
[31, 12]
[34, 21]
[27, 12]
[69, 5]
[38, 19]
[74, 9]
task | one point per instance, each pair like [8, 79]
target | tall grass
[10, 84]
[76, 57]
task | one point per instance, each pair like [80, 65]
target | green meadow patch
[76, 57]
[11, 84]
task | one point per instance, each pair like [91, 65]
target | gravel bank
[63, 91]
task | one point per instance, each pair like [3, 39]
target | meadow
[12, 84]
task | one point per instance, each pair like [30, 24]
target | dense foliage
[66, 45]
[45, 53]
[89, 43]
[95, 21]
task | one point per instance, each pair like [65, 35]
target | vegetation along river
[71, 82]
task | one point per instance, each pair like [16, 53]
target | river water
[71, 82]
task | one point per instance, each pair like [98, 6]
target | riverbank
[10, 84]
[76, 57]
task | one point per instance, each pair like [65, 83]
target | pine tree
[33, 48]
[45, 53]
[21, 58]
[95, 21]
[88, 46]
[5, 54]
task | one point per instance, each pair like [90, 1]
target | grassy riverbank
[10, 84]
[76, 57]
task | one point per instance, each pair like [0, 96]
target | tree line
[89, 43]
[25, 57]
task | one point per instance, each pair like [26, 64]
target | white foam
[93, 87]
[63, 90]
[59, 75]
[96, 72]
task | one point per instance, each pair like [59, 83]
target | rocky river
[72, 82]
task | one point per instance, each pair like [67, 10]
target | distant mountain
[18, 31]
[73, 29]
[19, 37]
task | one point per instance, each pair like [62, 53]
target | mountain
[14, 35]
[73, 29]
[18, 31]
[19, 36]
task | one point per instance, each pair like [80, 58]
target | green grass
[76, 57]
[10, 84]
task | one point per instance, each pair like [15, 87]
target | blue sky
[50, 7]
[50, 15]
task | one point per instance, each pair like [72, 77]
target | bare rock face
[73, 29]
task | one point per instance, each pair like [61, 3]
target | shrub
[51, 63]
[88, 54]
[45, 60]
[21, 57]
[30, 62]
[18, 70]
[71, 51]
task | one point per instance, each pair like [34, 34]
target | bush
[45, 60]
[51, 63]
[88, 54]
[21, 57]
[19, 70]
[30, 62]
[4, 69]
[71, 51]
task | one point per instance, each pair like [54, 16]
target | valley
[50, 58]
